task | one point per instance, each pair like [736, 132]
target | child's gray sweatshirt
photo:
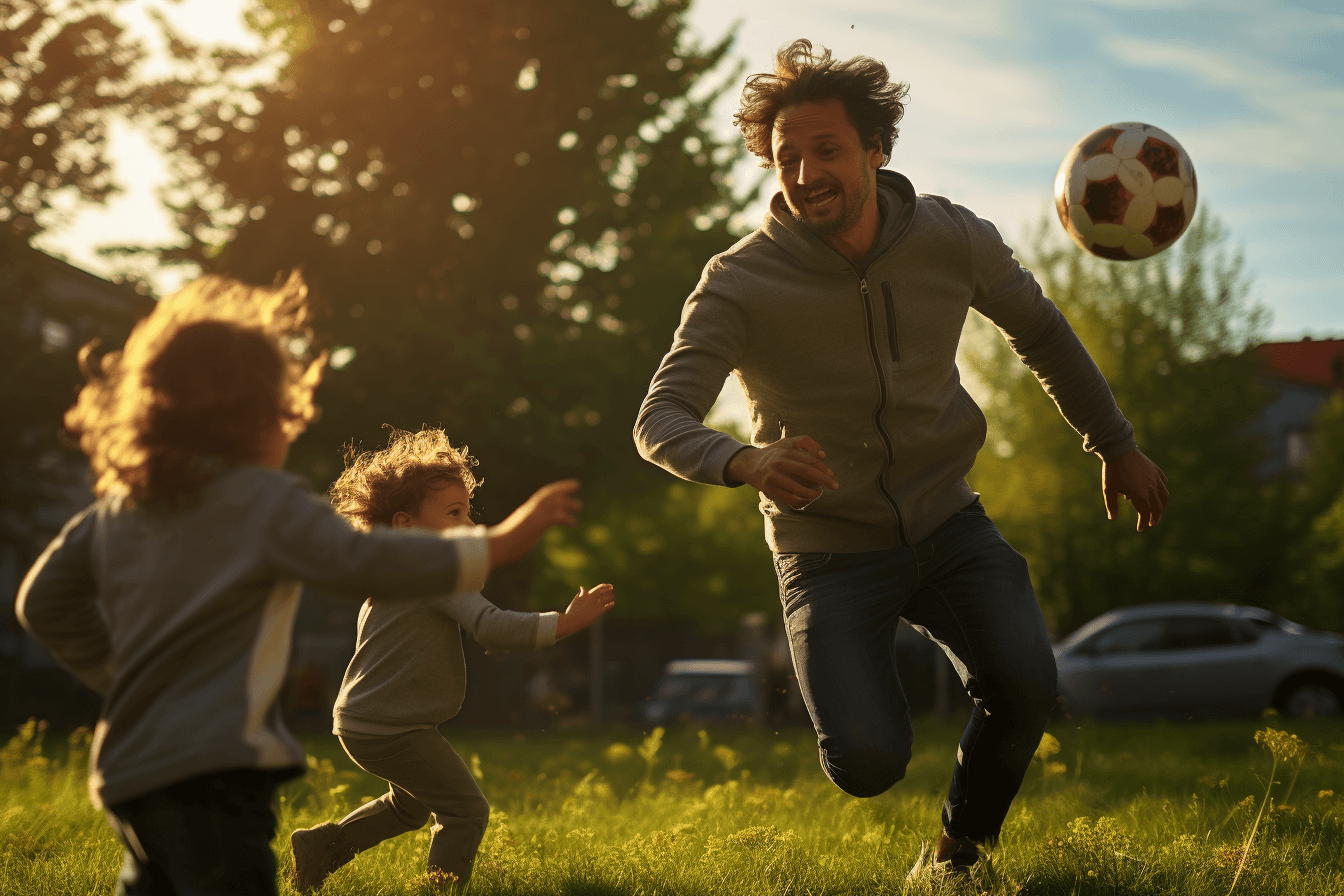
[182, 618]
[408, 670]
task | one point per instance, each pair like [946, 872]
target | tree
[1171, 336]
[65, 69]
[1312, 587]
[65, 66]
[676, 550]
[503, 206]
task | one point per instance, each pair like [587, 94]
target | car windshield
[702, 688]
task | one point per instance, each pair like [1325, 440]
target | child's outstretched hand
[585, 609]
[554, 504]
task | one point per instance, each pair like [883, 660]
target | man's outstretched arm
[670, 429]
[1038, 332]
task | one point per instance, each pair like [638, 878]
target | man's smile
[821, 198]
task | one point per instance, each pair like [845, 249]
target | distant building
[48, 309]
[1302, 375]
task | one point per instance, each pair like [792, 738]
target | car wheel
[1312, 699]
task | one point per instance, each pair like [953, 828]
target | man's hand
[554, 504]
[1141, 481]
[789, 471]
[585, 609]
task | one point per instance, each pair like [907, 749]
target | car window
[700, 689]
[1128, 637]
[1195, 632]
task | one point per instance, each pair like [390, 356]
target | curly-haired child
[174, 593]
[408, 674]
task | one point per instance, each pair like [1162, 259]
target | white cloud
[1295, 118]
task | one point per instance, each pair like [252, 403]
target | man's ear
[876, 159]
[401, 520]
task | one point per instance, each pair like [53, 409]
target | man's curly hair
[874, 102]
[378, 484]
[206, 376]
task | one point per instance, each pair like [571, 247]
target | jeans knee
[864, 772]
[1028, 696]
[475, 809]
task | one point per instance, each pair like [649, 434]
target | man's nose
[803, 172]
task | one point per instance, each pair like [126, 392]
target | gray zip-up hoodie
[182, 618]
[863, 359]
[408, 670]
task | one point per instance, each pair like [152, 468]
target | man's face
[824, 171]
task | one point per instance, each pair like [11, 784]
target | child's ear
[401, 520]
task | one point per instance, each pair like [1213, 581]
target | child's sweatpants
[426, 776]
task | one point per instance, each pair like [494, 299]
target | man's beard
[852, 212]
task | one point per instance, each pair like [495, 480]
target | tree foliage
[681, 550]
[502, 205]
[1312, 588]
[1171, 336]
[65, 65]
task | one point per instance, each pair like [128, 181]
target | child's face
[444, 507]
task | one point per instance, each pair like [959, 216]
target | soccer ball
[1125, 191]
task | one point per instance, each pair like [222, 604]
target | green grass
[1144, 809]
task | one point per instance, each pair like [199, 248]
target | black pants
[205, 836]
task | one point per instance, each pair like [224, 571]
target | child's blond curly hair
[378, 484]
[208, 374]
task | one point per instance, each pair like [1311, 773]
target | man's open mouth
[821, 198]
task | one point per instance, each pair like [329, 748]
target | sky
[999, 92]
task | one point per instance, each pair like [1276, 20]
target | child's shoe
[318, 851]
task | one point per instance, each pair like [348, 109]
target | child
[408, 674]
[174, 593]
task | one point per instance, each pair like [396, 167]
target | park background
[501, 207]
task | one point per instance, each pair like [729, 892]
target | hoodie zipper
[893, 342]
[881, 406]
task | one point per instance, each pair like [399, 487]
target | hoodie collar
[896, 204]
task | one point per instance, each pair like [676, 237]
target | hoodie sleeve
[1009, 296]
[308, 540]
[708, 346]
[499, 630]
[57, 603]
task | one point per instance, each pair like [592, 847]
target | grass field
[1146, 809]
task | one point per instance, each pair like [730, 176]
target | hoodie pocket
[976, 414]
[893, 340]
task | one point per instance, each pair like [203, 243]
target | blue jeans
[966, 589]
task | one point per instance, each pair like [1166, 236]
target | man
[841, 318]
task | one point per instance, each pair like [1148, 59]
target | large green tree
[1171, 336]
[502, 206]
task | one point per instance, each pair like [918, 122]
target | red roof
[1315, 362]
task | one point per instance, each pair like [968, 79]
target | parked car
[1196, 660]
[705, 691]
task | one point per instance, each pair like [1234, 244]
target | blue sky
[1000, 89]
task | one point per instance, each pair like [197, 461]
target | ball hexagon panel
[1126, 191]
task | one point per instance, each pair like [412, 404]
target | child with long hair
[408, 674]
[174, 593]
